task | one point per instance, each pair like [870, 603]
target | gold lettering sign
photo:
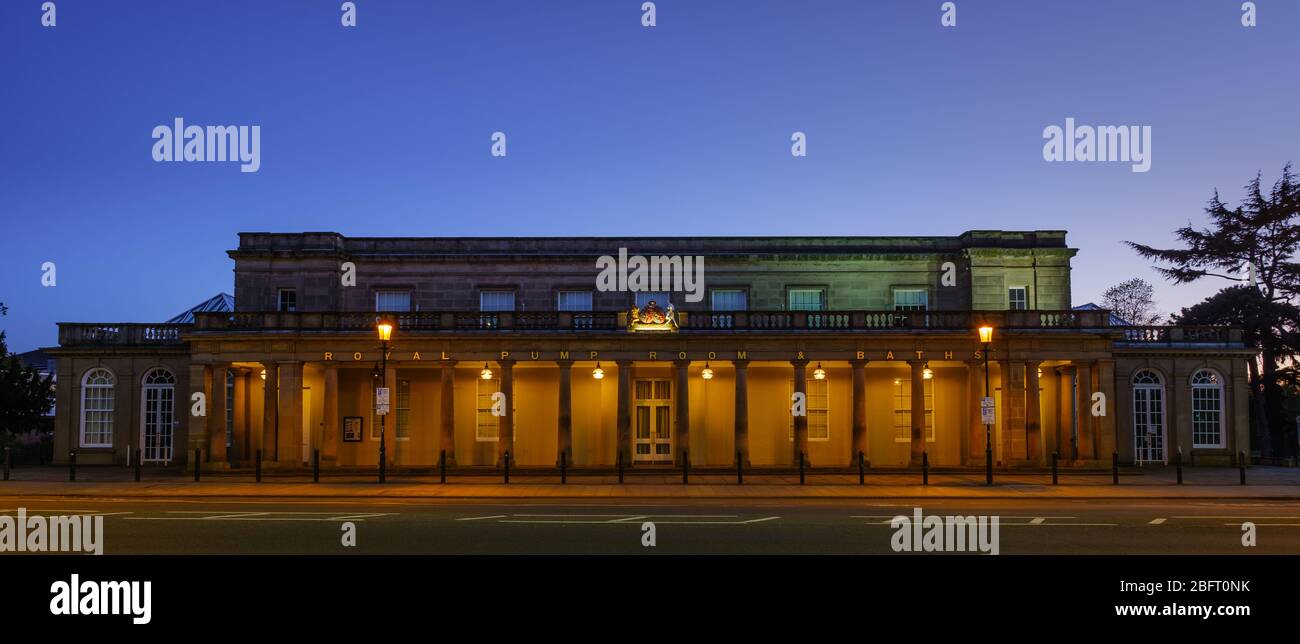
[594, 354]
[415, 356]
[862, 354]
[979, 354]
[533, 355]
[388, 355]
[356, 356]
[444, 355]
[654, 355]
[919, 354]
[564, 355]
[713, 356]
[947, 355]
[742, 355]
[889, 355]
[681, 355]
[329, 355]
[505, 354]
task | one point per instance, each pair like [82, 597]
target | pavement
[1264, 482]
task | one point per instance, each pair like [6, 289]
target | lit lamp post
[385, 329]
[986, 337]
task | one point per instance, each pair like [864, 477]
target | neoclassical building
[776, 347]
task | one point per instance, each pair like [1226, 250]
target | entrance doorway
[652, 437]
[158, 419]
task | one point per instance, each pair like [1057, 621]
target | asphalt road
[297, 526]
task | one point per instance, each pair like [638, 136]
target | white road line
[1287, 525]
[1232, 517]
[1037, 521]
[1157, 521]
[495, 516]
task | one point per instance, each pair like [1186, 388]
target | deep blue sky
[614, 129]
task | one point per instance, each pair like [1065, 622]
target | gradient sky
[614, 129]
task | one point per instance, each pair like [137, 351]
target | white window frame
[1158, 388]
[559, 300]
[393, 291]
[821, 297]
[145, 388]
[903, 416]
[824, 410]
[925, 293]
[713, 302]
[1011, 301]
[497, 291]
[402, 410]
[111, 410]
[483, 414]
[1217, 387]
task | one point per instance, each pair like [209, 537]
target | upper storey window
[728, 299]
[396, 301]
[911, 299]
[288, 300]
[1017, 298]
[806, 299]
[496, 301]
[573, 301]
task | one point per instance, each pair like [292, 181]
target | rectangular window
[903, 410]
[806, 299]
[573, 301]
[729, 299]
[818, 408]
[403, 410]
[97, 427]
[911, 299]
[288, 300]
[488, 427]
[1207, 416]
[1017, 298]
[394, 301]
[660, 299]
[230, 408]
[496, 301]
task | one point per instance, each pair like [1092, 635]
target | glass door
[652, 439]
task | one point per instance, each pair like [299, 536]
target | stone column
[289, 436]
[859, 443]
[200, 383]
[564, 440]
[742, 408]
[270, 411]
[216, 448]
[447, 412]
[1106, 436]
[506, 422]
[624, 421]
[1033, 413]
[918, 409]
[1083, 408]
[973, 439]
[1178, 412]
[1013, 411]
[801, 422]
[330, 434]
[682, 371]
[1064, 416]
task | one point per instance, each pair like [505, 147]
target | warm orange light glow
[707, 374]
[986, 334]
[597, 373]
[385, 329]
[486, 373]
[819, 373]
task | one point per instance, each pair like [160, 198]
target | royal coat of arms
[652, 317]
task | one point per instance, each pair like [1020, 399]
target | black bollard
[72, 465]
[1055, 479]
[801, 479]
[988, 466]
[862, 468]
[506, 462]
[740, 468]
[925, 468]
[442, 466]
[564, 469]
[1178, 464]
[198, 458]
[620, 467]
[686, 466]
[383, 464]
[138, 464]
[258, 466]
[7, 463]
[315, 466]
[1241, 466]
[1114, 467]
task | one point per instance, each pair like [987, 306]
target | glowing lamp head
[597, 373]
[264, 374]
[486, 373]
[707, 374]
[927, 373]
[385, 329]
[986, 334]
[819, 373]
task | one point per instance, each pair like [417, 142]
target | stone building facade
[827, 349]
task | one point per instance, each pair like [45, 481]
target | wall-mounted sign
[352, 429]
[987, 413]
[381, 400]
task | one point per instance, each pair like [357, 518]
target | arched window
[1207, 409]
[159, 414]
[97, 408]
[1148, 417]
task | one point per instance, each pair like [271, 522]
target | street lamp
[819, 373]
[707, 373]
[597, 373]
[986, 337]
[385, 329]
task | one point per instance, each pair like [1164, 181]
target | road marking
[494, 516]
[211, 515]
[1156, 522]
[623, 519]
[1288, 525]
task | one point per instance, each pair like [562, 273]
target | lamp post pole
[988, 429]
[383, 380]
